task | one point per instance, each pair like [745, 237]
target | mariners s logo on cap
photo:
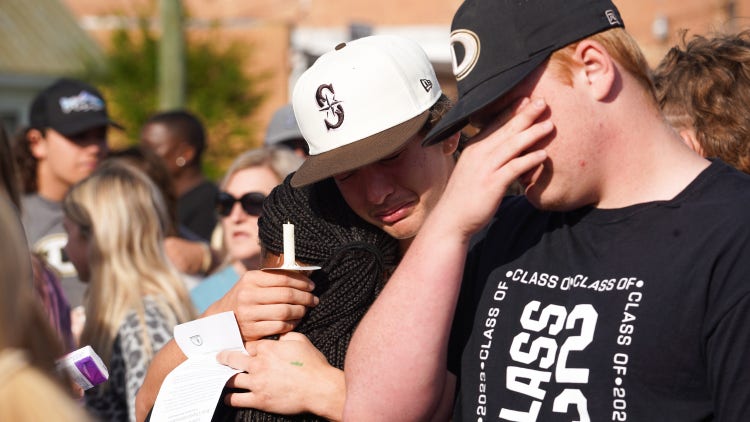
[326, 98]
[372, 96]
[465, 48]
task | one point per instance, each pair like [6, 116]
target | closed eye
[343, 176]
[392, 156]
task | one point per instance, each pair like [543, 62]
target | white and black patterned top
[128, 365]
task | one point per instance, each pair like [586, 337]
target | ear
[599, 71]
[449, 145]
[187, 152]
[689, 138]
[37, 143]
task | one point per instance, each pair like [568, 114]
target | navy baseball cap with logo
[496, 44]
[70, 107]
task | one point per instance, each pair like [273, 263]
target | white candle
[289, 245]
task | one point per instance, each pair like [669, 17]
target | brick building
[287, 35]
[33, 54]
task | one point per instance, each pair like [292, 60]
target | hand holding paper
[191, 391]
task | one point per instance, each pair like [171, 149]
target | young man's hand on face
[496, 156]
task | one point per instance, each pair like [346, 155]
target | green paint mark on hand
[297, 363]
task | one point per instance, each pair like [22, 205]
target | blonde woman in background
[28, 345]
[247, 182]
[115, 220]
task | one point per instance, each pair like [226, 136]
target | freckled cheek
[355, 199]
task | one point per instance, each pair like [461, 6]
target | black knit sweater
[355, 259]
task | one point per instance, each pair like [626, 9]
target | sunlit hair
[620, 45]
[8, 175]
[437, 111]
[123, 215]
[28, 344]
[26, 163]
[704, 85]
[18, 377]
[151, 164]
[23, 322]
[281, 161]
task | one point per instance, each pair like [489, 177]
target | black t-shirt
[195, 209]
[633, 314]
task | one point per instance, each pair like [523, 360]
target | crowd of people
[580, 256]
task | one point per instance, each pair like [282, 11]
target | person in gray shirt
[65, 141]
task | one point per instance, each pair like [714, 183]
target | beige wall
[266, 24]
[698, 16]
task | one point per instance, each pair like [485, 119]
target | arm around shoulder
[168, 358]
[396, 364]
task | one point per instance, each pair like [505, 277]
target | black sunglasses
[252, 203]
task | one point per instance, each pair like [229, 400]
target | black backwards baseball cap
[496, 44]
[70, 107]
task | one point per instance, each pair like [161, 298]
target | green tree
[219, 90]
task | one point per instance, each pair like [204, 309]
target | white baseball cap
[361, 103]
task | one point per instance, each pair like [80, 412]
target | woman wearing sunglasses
[246, 183]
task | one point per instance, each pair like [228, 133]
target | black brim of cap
[82, 125]
[481, 96]
[359, 153]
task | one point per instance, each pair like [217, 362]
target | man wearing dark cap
[615, 289]
[65, 141]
